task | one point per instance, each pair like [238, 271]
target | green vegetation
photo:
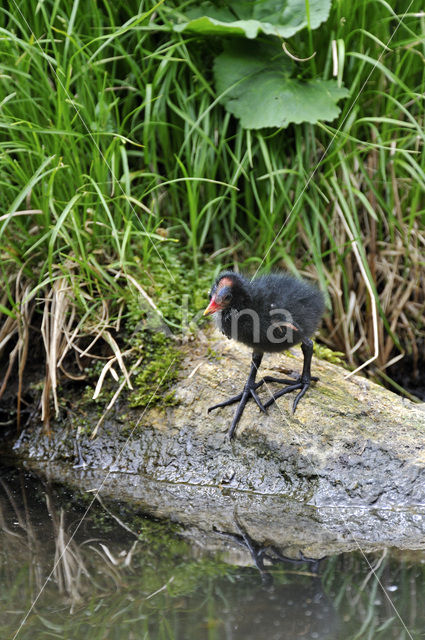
[158, 370]
[124, 179]
[324, 353]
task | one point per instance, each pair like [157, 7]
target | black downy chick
[270, 313]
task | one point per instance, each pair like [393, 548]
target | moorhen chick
[270, 313]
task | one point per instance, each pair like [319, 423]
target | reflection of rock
[347, 468]
[289, 525]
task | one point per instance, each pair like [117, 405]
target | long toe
[299, 396]
[226, 403]
[238, 413]
[282, 392]
[257, 400]
[281, 380]
[238, 397]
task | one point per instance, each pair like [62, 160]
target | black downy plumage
[270, 313]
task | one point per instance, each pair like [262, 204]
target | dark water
[112, 574]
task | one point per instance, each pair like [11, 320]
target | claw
[291, 387]
[302, 382]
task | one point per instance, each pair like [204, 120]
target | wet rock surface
[347, 470]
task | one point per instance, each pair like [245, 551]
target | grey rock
[347, 471]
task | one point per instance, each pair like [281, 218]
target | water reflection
[118, 575]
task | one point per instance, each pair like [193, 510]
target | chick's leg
[249, 391]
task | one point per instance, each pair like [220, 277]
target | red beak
[212, 307]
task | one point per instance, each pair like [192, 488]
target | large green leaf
[280, 18]
[253, 80]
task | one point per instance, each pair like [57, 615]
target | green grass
[113, 142]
